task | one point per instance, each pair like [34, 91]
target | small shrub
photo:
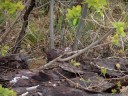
[6, 92]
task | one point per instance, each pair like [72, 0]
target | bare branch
[79, 52]
[90, 46]
[25, 24]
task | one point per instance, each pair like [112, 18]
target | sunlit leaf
[123, 34]
[118, 24]
[120, 30]
[114, 91]
[74, 63]
[4, 50]
[73, 14]
[6, 92]
[116, 39]
[118, 84]
[75, 22]
[103, 71]
[78, 7]
[20, 6]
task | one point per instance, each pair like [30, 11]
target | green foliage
[6, 92]
[4, 50]
[116, 39]
[74, 14]
[31, 38]
[114, 91]
[19, 6]
[126, 21]
[2, 18]
[118, 85]
[119, 27]
[10, 6]
[74, 63]
[119, 31]
[97, 5]
[103, 71]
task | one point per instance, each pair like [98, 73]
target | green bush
[6, 92]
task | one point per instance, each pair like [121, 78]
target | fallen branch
[122, 79]
[49, 63]
[79, 52]
[88, 47]
[77, 85]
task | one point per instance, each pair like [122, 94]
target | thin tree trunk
[80, 27]
[52, 46]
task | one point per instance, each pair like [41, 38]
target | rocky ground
[65, 79]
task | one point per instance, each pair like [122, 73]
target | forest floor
[102, 71]
[88, 78]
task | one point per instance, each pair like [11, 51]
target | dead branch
[49, 63]
[25, 24]
[74, 83]
[79, 52]
[88, 47]
[123, 78]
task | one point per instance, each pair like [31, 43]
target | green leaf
[116, 39]
[73, 14]
[118, 24]
[20, 6]
[11, 7]
[119, 31]
[69, 10]
[74, 63]
[78, 7]
[103, 71]
[75, 22]
[69, 15]
[101, 13]
[97, 4]
[118, 84]
[6, 92]
[123, 34]
[114, 91]
[4, 50]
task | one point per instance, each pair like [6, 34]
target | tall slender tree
[52, 46]
[80, 27]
